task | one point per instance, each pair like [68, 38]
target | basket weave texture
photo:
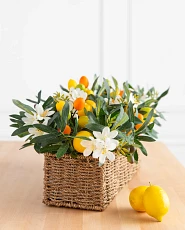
[81, 183]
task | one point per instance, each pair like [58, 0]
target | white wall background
[44, 43]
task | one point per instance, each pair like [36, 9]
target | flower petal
[86, 143]
[97, 134]
[96, 153]
[102, 158]
[106, 132]
[87, 152]
[39, 109]
[113, 134]
[110, 156]
[111, 144]
[50, 113]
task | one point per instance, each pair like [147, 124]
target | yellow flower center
[44, 114]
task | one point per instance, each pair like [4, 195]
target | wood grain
[21, 188]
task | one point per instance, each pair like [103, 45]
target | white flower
[36, 132]
[105, 151]
[106, 133]
[91, 146]
[43, 114]
[37, 116]
[75, 93]
[102, 146]
[30, 119]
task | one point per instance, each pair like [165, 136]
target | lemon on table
[136, 198]
[156, 202]
[77, 141]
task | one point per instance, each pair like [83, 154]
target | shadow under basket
[81, 183]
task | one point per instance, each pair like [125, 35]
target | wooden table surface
[21, 188]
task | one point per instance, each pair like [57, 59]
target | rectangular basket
[81, 183]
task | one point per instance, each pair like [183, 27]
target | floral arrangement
[101, 121]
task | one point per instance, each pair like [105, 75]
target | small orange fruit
[79, 103]
[84, 80]
[67, 130]
[121, 93]
[140, 116]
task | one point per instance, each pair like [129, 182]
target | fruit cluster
[99, 120]
[150, 199]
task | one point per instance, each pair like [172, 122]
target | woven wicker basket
[81, 183]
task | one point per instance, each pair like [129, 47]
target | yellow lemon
[156, 202]
[136, 198]
[91, 103]
[82, 112]
[82, 121]
[60, 105]
[77, 141]
[147, 111]
[88, 91]
[72, 83]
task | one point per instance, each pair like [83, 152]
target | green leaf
[101, 90]
[99, 105]
[62, 150]
[54, 117]
[48, 102]
[130, 111]
[137, 120]
[149, 102]
[24, 107]
[157, 122]
[37, 147]
[163, 94]
[20, 122]
[142, 148]
[14, 125]
[75, 130]
[18, 117]
[127, 91]
[150, 126]
[146, 138]
[50, 149]
[161, 115]
[21, 130]
[26, 145]
[136, 156]
[95, 127]
[64, 117]
[35, 102]
[23, 134]
[64, 89]
[147, 121]
[121, 119]
[92, 118]
[115, 83]
[44, 138]
[83, 138]
[46, 129]
[94, 84]
[39, 97]
[107, 87]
